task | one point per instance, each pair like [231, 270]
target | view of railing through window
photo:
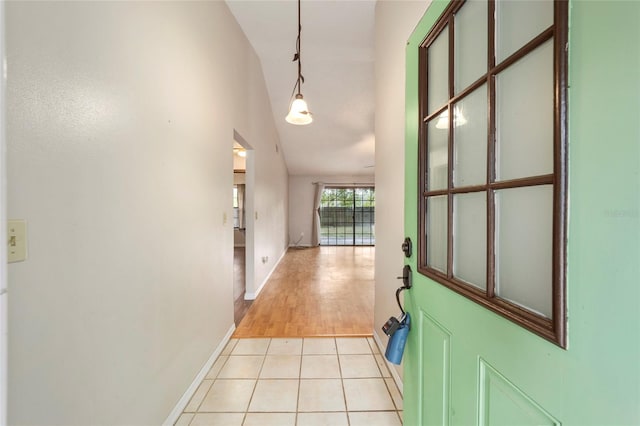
[347, 217]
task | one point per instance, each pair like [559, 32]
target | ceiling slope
[337, 64]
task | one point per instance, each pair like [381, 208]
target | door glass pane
[438, 152]
[347, 216]
[470, 43]
[438, 72]
[470, 238]
[524, 116]
[524, 247]
[518, 22]
[437, 232]
[470, 139]
[364, 216]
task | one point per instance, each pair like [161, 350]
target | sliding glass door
[347, 217]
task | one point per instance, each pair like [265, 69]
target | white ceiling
[337, 64]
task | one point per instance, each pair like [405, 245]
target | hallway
[303, 354]
[320, 291]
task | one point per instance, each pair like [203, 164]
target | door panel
[435, 365]
[466, 365]
[500, 402]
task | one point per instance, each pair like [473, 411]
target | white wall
[4, 297]
[121, 118]
[395, 21]
[301, 201]
[269, 208]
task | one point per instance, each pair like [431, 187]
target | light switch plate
[17, 241]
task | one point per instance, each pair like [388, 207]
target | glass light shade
[299, 113]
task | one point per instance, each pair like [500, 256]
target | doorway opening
[347, 216]
[240, 235]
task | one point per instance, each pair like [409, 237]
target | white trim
[252, 296]
[392, 367]
[186, 397]
[294, 246]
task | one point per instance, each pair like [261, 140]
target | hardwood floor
[320, 291]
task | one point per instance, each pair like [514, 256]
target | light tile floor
[340, 381]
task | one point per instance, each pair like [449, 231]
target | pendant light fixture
[298, 112]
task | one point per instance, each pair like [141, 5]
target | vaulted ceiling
[337, 64]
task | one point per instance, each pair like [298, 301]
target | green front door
[465, 364]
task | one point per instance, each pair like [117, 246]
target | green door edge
[597, 379]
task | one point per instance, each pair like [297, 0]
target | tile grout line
[344, 391]
[299, 381]
[205, 394]
[376, 350]
[264, 360]
[384, 379]
[197, 409]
